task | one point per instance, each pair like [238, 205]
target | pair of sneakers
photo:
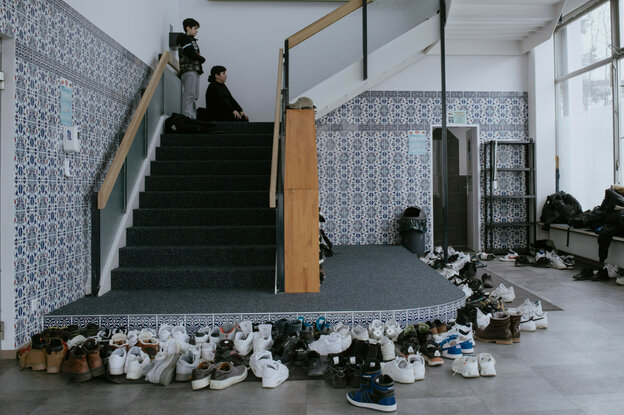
[504, 293]
[134, 364]
[405, 369]
[272, 372]
[474, 366]
[376, 389]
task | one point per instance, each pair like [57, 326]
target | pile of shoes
[605, 273]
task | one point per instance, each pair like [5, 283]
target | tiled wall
[52, 213]
[366, 176]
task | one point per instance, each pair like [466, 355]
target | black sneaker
[336, 373]
[585, 274]
[601, 275]
[314, 364]
[486, 279]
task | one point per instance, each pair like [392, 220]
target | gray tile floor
[574, 367]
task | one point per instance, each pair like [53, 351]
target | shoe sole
[273, 385]
[200, 383]
[222, 384]
[377, 407]
[166, 377]
[98, 371]
[183, 377]
[497, 341]
[436, 361]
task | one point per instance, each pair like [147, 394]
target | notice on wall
[457, 117]
[417, 142]
[66, 102]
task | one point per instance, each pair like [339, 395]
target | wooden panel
[276, 129]
[301, 241]
[300, 165]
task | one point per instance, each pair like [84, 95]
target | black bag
[181, 124]
[560, 207]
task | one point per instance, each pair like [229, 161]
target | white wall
[463, 73]
[141, 26]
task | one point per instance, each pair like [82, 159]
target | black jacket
[220, 103]
[190, 59]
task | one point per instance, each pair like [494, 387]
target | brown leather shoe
[36, 356]
[514, 326]
[94, 360]
[55, 354]
[498, 331]
[76, 366]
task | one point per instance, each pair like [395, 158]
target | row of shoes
[605, 273]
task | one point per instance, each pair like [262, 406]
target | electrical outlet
[34, 304]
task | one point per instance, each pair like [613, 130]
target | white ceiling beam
[495, 11]
[480, 47]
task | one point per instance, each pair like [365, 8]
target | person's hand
[245, 116]
[237, 115]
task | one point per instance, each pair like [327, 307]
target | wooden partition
[301, 204]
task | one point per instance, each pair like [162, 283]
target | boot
[498, 331]
[514, 326]
[76, 366]
[36, 356]
[96, 367]
[55, 354]
[376, 390]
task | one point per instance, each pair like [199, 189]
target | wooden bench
[584, 243]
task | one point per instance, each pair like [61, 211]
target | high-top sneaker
[55, 355]
[514, 325]
[36, 356]
[94, 360]
[76, 365]
[498, 331]
[376, 390]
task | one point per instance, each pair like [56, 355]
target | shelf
[509, 224]
[511, 197]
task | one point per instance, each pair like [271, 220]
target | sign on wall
[416, 142]
[66, 102]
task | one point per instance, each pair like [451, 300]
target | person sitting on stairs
[220, 104]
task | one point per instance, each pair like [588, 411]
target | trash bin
[412, 227]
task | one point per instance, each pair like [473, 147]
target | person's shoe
[399, 370]
[375, 329]
[56, 350]
[601, 275]
[118, 340]
[498, 331]
[379, 395]
[486, 279]
[184, 367]
[208, 351]
[619, 280]
[393, 330]
[246, 326]
[149, 344]
[261, 342]
[486, 364]
[466, 366]
[116, 362]
[225, 374]
[76, 366]
[164, 332]
[200, 377]
[388, 350]
[163, 370]
[35, 354]
[432, 352]
[451, 348]
[418, 365]
[504, 293]
[336, 373]
[526, 320]
[274, 374]
[314, 364]
[243, 342]
[228, 331]
[137, 363]
[328, 344]
[92, 347]
[258, 361]
[359, 333]
[510, 257]
[515, 318]
[585, 274]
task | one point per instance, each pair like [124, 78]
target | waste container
[412, 227]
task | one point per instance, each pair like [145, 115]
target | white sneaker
[483, 320]
[467, 291]
[243, 342]
[133, 338]
[201, 338]
[510, 257]
[274, 374]
[259, 360]
[246, 326]
[164, 332]
[537, 314]
[215, 335]
[182, 339]
[388, 350]
[418, 365]
[265, 330]
[184, 368]
[170, 347]
[466, 366]
[486, 364]
[619, 280]
[359, 333]
[526, 318]
[393, 329]
[163, 369]
[116, 362]
[399, 370]
[208, 351]
[375, 329]
[557, 263]
[137, 363]
[118, 340]
[504, 293]
[329, 343]
[341, 329]
[262, 342]
[449, 273]
[76, 341]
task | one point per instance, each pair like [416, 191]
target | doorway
[463, 220]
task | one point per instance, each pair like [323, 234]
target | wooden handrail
[276, 129]
[324, 21]
[135, 122]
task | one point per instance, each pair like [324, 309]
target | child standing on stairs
[190, 66]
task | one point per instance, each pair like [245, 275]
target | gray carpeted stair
[203, 220]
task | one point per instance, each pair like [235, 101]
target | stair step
[215, 182]
[204, 217]
[204, 199]
[200, 235]
[245, 127]
[213, 153]
[136, 278]
[215, 140]
[233, 167]
[232, 255]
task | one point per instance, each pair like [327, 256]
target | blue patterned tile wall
[52, 213]
[367, 178]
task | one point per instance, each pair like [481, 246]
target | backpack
[181, 124]
[560, 207]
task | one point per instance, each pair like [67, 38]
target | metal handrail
[122, 152]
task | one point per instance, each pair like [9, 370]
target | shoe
[451, 348]
[118, 340]
[388, 350]
[76, 366]
[243, 342]
[526, 320]
[341, 329]
[486, 279]
[399, 370]
[482, 319]
[336, 373]
[226, 374]
[375, 329]
[393, 330]
[585, 274]
[484, 256]
[208, 351]
[163, 369]
[137, 363]
[116, 362]
[486, 364]
[202, 336]
[94, 361]
[265, 330]
[55, 353]
[537, 314]
[215, 335]
[418, 365]
[328, 344]
[504, 293]
[322, 326]
[246, 326]
[200, 377]
[601, 275]
[164, 332]
[149, 344]
[359, 333]
[258, 361]
[261, 342]
[498, 331]
[510, 257]
[379, 395]
[466, 366]
[515, 319]
[184, 367]
[620, 278]
[314, 364]
[275, 373]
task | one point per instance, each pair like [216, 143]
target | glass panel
[584, 41]
[585, 136]
[136, 155]
[111, 216]
[173, 92]
[155, 110]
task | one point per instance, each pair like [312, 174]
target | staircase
[203, 220]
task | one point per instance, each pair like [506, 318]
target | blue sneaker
[378, 395]
[451, 348]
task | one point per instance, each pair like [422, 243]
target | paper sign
[457, 117]
[66, 102]
[417, 142]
